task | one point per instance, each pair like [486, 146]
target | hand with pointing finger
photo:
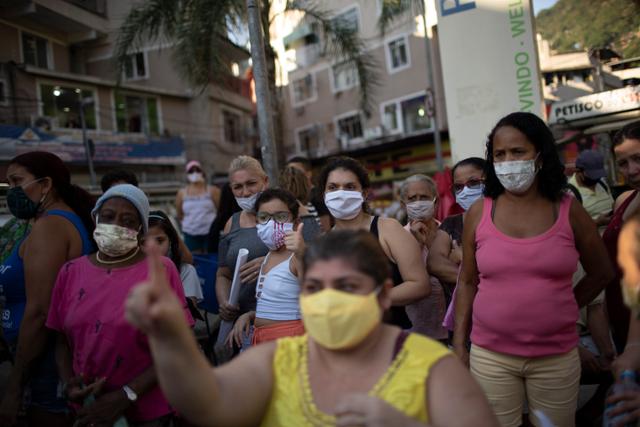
[294, 241]
[152, 306]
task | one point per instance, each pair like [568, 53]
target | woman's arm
[205, 396]
[593, 255]
[438, 261]
[215, 195]
[467, 283]
[179, 199]
[450, 388]
[404, 250]
[598, 325]
[224, 275]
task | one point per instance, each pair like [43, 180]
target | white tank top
[199, 213]
[277, 293]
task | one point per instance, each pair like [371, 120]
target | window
[4, 95]
[345, 76]
[135, 66]
[303, 90]
[350, 127]
[135, 113]
[347, 20]
[406, 115]
[397, 54]
[35, 50]
[232, 127]
[62, 103]
[309, 140]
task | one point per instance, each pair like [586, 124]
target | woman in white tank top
[277, 312]
[197, 207]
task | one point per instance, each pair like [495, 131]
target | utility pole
[85, 141]
[263, 97]
[431, 91]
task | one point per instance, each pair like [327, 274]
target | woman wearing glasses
[277, 311]
[445, 254]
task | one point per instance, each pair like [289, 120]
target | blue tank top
[12, 286]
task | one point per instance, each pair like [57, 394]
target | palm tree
[198, 30]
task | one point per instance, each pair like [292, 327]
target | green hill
[572, 25]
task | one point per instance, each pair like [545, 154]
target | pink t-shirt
[87, 306]
[525, 304]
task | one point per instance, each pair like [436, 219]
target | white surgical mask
[344, 204]
[114, 240]
[516, 176]
[421, 210]
[195, 177]
[247, 204]
[468, 196]
[273, 233]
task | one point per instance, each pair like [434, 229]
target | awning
[301, 31]
[608, 127]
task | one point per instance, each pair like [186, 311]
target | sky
[538, 5]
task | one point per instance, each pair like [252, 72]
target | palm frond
[344, 44]
[394, 9]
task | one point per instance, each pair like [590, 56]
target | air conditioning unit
[373, 133]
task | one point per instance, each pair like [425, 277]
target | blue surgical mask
[468, 196]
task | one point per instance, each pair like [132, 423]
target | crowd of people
[519, 308]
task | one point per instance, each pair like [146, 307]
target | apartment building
[56, 58]
[322, 114]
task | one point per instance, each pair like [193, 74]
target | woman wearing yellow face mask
[350, 370]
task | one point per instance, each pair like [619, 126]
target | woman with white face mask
[346, 187]
[247, 179]
[350, 369]
[521, 247]
[196, 207]
[98, 352]
[419, 197]
[277, 312]
[445, 255]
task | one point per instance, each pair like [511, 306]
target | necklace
[101, 261]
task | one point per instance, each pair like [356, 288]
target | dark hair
[306, 163]
[160, 219]
[552, 181]
[227, 207]
[43, 164]
[629, 131]
[477, 162]
[117, 175]
[347, 163]
[296, 182]
[357, 247]
[279, 194]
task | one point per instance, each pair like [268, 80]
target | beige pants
[549, 385]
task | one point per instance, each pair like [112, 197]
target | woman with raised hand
[346, 187]
[521, 245]
[277, 312]
[40, 191]
[351, 368]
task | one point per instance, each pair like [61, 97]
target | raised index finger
[157, 271]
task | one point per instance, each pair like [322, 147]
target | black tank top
[397, 315]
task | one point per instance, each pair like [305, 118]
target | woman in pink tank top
[521, 247]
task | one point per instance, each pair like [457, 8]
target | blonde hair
[296, 182]
[247, 163]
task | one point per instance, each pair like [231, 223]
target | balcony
[76, 20]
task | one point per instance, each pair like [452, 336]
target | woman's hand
[463, 354]
[105, 410]
[420, 232]
[152, 306]
[228, 312]
[250, 271]
[364, 410]
[294, 241]
[627, 402]
[76, 390]
[455, 255]
[240, 330]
